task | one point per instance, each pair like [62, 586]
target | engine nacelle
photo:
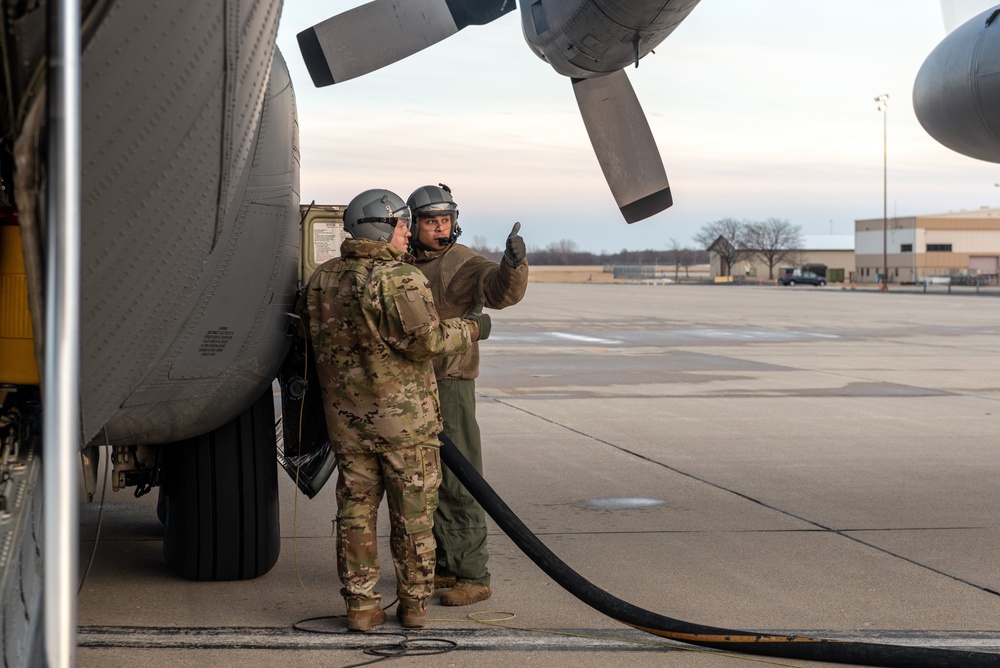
[586, 38]
[956, 95]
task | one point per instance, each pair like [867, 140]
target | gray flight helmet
[374, 213]
[433, 201]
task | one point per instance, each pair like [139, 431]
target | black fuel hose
[747, 642]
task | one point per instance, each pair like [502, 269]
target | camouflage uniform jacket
[374, 330]
[459, 277]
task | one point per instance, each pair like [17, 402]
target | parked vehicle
[805, 278]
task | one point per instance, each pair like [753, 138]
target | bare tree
[774, 241]
[481, 245]
[676, 249]
[563, 246]
[727, 238]
[689, 257]
[683, 257]
[563, 252]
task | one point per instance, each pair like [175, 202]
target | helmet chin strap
[416, 244]
[444, 244]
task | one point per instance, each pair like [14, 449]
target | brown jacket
[459, 278]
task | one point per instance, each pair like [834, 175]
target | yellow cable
[510, 615]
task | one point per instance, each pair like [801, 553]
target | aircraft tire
[222, 499]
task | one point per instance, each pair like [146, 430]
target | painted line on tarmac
[335, 637]
[492, 638]
[731, 490]
[584, 339]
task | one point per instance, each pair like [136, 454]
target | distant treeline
[566, 253]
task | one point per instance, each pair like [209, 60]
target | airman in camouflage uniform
[374, 330]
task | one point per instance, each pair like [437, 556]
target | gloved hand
[514, 255]
[483, 324]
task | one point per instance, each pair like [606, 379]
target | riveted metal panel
[174, 97]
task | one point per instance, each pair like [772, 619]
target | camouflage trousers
[410, 478]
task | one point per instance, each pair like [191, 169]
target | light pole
[883, 104]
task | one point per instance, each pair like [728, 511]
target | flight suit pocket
[414, 310]
[421, 554]
[423, 542]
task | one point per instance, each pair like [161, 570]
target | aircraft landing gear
[221, 491]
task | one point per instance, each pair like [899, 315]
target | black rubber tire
[222, 499]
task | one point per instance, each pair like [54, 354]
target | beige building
[830, 255]
[966, 243]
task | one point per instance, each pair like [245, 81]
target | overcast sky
[759, 109]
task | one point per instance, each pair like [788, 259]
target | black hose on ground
[789, 647]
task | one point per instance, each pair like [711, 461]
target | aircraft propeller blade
[363, 39]
[624, 145]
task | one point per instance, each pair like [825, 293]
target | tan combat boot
[444, 581]
[466, 593]
[365, 620]
[411, 614]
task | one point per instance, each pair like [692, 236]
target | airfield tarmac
[800, 460]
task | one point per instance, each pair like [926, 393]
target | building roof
[981, 212]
